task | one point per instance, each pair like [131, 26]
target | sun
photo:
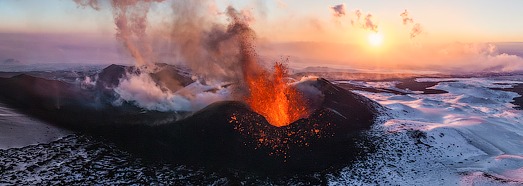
[375, 39]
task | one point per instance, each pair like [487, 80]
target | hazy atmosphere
[437, 36]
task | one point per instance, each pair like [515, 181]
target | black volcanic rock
[110, 76]
[224, 134]
[171, 77]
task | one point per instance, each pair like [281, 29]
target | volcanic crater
[224, 134]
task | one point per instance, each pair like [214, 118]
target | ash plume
[416, 27]
[210, 48]
[196, 35]
[338, 10]
[213, 50]
[367, 23]
[130, 18]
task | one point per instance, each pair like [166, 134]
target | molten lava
[273, 98]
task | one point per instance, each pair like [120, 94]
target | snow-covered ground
[18, 130]
[469, 136]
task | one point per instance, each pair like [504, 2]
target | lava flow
[273, 98]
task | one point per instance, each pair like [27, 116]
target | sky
[307, 30]
[292, 20]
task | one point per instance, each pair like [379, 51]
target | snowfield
[471, 135]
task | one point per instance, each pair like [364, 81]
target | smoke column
[130, 18]
[214, 51]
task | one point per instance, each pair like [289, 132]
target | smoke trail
[130, 18]
[367, 23]
[281, 4]
[338, 10]
[357, 13]
[406, 18]
[416, 28]
[316, 24]
[91, 3]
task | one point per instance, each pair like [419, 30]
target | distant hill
[11, 61]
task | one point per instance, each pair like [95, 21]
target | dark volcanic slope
[224, 134]
[517, 101]
[413, 85]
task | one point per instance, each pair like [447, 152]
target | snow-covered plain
[471, 135]
[18, 130]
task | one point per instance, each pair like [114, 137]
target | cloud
[416, 30]
[367, 23]
[406, 18]
[357, 13]
[281, 4]
[338, 10]
[316, 24]
[416, 27]
[91, 3]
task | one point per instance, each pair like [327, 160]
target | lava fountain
[270, 96]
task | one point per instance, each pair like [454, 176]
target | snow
[469, 136]
[18, 130]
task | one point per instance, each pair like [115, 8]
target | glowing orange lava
[273, 98]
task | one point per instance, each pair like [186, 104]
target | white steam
[144, 92]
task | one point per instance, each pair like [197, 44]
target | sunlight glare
[376, 39]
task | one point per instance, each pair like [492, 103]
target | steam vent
[224, 134]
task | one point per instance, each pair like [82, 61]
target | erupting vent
[274, 99]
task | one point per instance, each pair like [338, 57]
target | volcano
[223, 134]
